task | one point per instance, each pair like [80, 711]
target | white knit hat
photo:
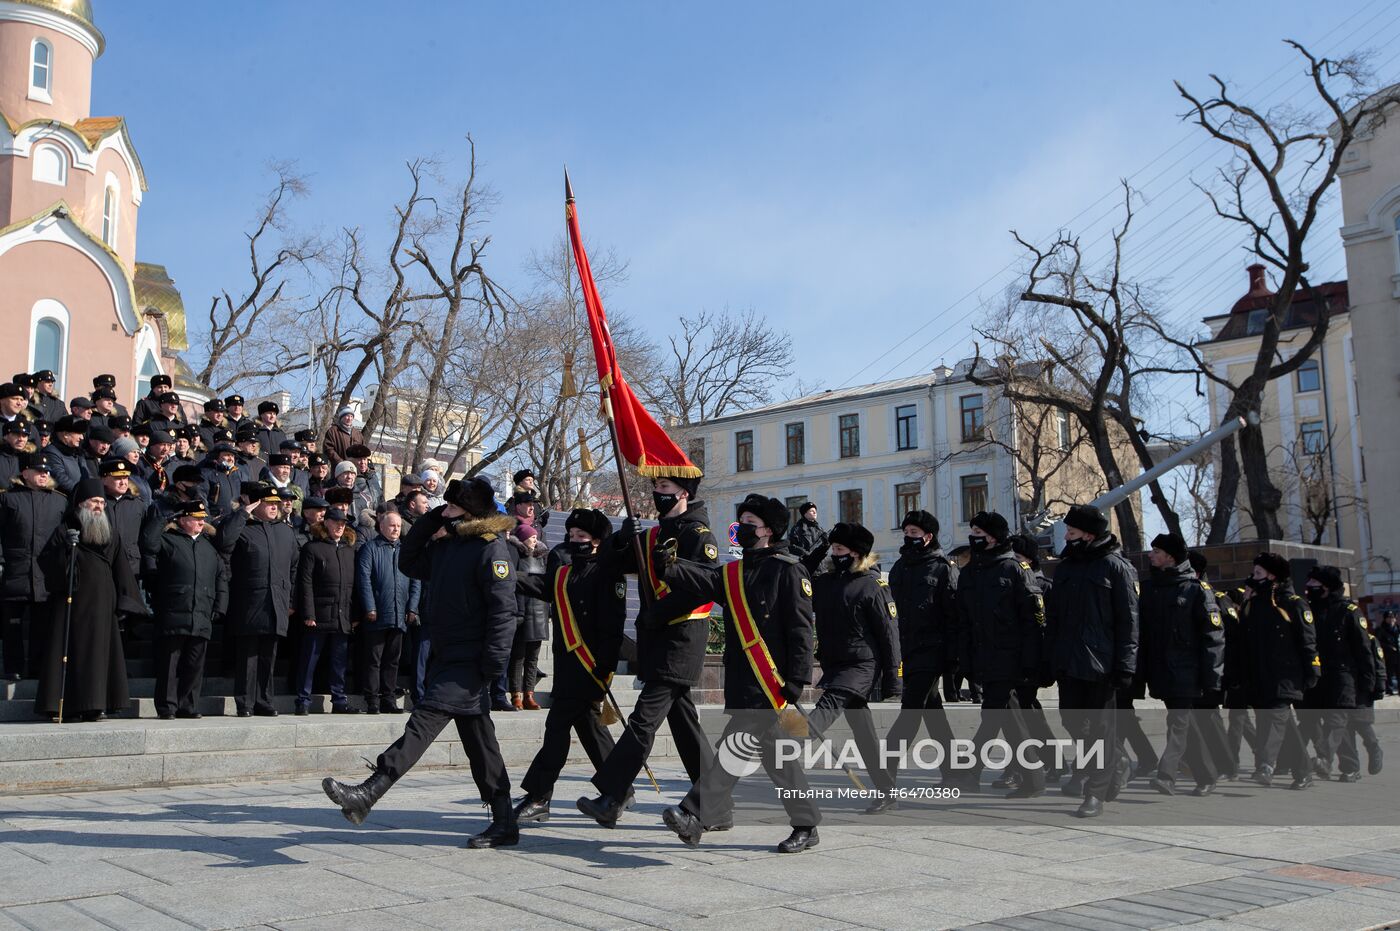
[343, 466]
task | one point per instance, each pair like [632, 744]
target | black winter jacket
[1182, 647]
[924, 584]
[1001, 619]
[670, 643]
[1093, 614]
[261, 557]
[189, 586]
[597, 594]
[126, 514]
[779, 594]
[1344, 648]
[326, 581]
[805, 537]
[1281, 646]
[857, 632]
[531, 614]
[28, 519]
[469, 615]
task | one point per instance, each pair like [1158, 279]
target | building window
[796, 443]
[50, 165]
[906, 498]
[1312, 437]
[1255, 324]
[849, 425]
[48, 348]
[1062, 429]
[41, 71]
[1309, 377]
[110, 200]
[697, 453]
[743, 451]
[973, 422]
[974, 495]
[906, 436]
[149, 369]
[851, 505]
[794, 502]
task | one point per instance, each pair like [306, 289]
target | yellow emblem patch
[807, 588]
[501, 569]
[621, 589]
[711, 551]
[1215, 619]
[894, 612]
[1307, 616]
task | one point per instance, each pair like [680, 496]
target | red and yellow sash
[760, 660]
[568, 625]
[661, 588]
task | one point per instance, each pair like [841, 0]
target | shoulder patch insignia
[882, 583]
[1206, 585]
[500, 569]
[1352, 606]
[807, 587]
[1215, 620]
[711, 552]
[702, 529]
[1137, 589]
[894, 612]
[621, 589]
[1307, 616]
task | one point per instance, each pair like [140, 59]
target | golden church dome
[77, 10]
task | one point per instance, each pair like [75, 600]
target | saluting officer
[1282, 650]
[1348, 672]
[589, 600]
[1001, 620]
[671, 639]
[1183, 656]
[923, 582]
[460, 547]
[767, 599]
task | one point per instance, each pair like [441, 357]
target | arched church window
[48, 342]
[50, 165]
[41, 71]
[110, 200]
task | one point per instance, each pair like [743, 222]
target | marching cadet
[188, 590]
[767, 599]
[459, 546]
[922, 583]
[1234, 693]
[1028, 691]
[671, 638]
[1093, 642]
[589, 598]
[857, 645]
[1182, 652]
[1362, 721]
[261, 553]
[1283, 664]
[30, 510]
[1347, 655]
[1001, 626]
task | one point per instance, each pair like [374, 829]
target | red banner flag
[642, 440]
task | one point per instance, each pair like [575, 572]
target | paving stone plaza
[277, 855]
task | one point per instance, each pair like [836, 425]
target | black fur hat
[854, 537]
[591, 521]
[771, 511]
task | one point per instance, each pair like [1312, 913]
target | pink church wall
[40, 270]
[111, 162]
[28, 197]
[72, 75]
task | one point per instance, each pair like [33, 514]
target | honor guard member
[1347, 655]
[459, 547]
[1362, 721]
[767, 600]
[1182, 652]
[857, 646]
[188, 590]
[923, 584]
[1001, 622]
[589, 599]
[30, 510]
[671, 639]
[1093, 642]
[1234, 691]
[1282, 650]
[261, 553]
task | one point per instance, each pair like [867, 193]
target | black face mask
[978, 544]
[1074, 546]
[913, 544]
[580, 547]
[1316, 596]
[747, 535]
[664, 503]
[1262, 586]
[843, 563]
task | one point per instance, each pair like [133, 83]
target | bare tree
[255, 337]
[1312, 489]
[1290, 154]
[721, 363]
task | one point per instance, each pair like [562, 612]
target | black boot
[885, 803]
[687, 827]
[799, 840]
[1091, 808]
[503, 831]
[532, 810]
[356, 801]
[604, 809]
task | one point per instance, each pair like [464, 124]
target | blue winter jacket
[382, 587]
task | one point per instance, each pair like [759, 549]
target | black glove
[626, 532]
[1121, 680]
[664, 554]
[893, 685]
[1045, 675]
[792, 691]
[1313, 677]
[72, 536]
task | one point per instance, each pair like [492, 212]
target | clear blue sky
[848, 170]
